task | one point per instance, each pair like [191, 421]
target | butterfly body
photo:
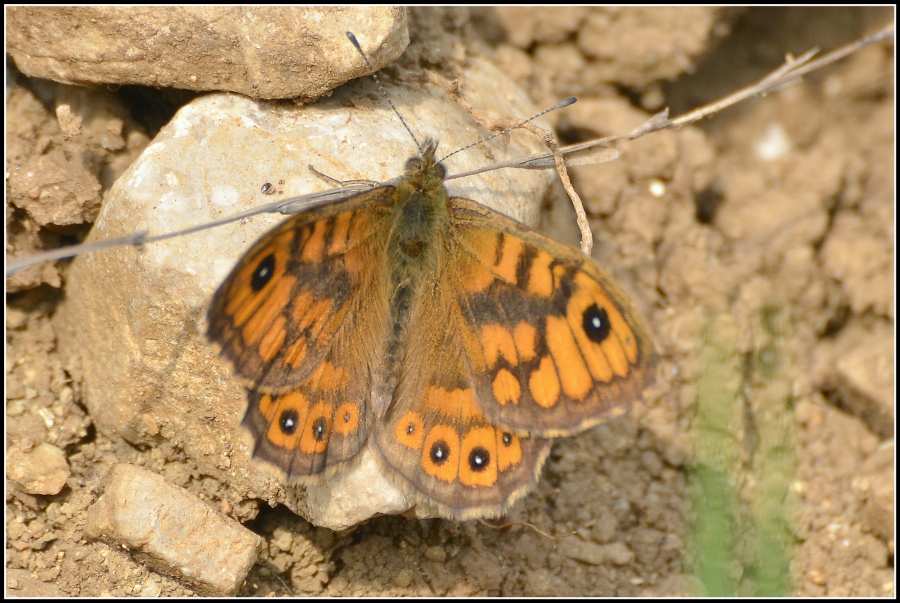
[449, 339]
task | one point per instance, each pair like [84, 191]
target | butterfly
[451, 340]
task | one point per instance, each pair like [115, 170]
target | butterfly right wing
[435, 440]
[552, 343]
[300, 319]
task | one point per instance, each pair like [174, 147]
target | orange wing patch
[541, 278]
[498, 343]
[505, 387]
[410, 431]
[525, 336]
[543, 383]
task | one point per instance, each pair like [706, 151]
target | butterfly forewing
[552, 343]
[277, 314]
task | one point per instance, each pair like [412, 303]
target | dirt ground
[759, 245]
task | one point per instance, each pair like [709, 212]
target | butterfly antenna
[560, 105]
[384, 93]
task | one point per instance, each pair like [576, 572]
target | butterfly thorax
[419, 220]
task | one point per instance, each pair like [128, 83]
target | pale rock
[260, 51]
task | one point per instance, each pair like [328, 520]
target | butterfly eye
[414, 164]
[288, 422]
[479, 459]
[320, 427]
[440, 452]
[596, 325]
[263, 273]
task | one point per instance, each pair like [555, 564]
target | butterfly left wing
[552, 344]
[300, 318]
[276, 316]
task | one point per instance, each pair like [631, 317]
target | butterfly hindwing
[552, 343]
[435, 437]
[318, 427]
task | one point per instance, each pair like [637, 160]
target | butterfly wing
[436, 440]
[300, 319]
[552, 344]
[515, 339]
[275, 317]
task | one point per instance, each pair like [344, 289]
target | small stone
[436, 554]
[403, 578]
[173, 531]
[592, 553]
[544, 583]
[151, 427]
[877, 492]
[864, 376]
[282, 540]
[150, 589]
[15, 318]
[585, 552]
[618, 553]
[69, 122]
[42, 470]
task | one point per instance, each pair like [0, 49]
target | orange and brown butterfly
[450, 339]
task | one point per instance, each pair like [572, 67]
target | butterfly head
[424, 172]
